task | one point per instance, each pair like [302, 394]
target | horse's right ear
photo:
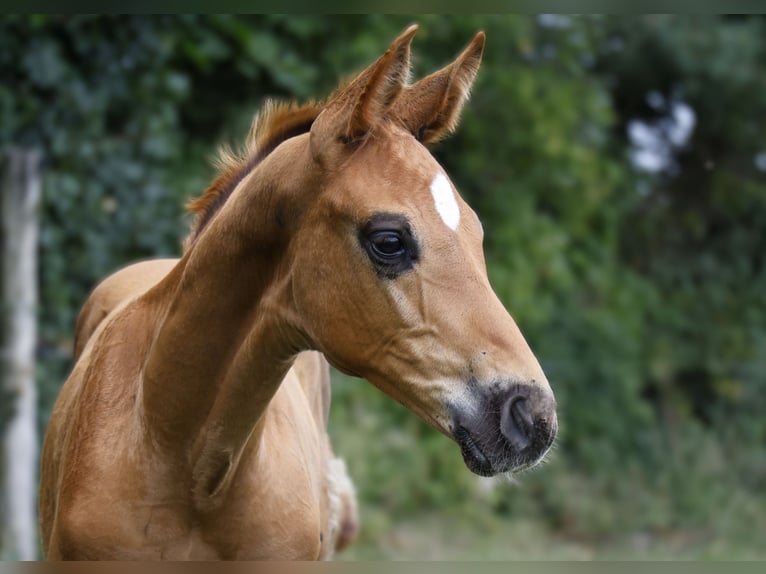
[361, 104]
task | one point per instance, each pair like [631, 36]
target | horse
[194, 422]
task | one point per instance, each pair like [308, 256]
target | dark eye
[387, 244]
[390, 244]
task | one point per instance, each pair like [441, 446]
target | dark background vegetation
[619, 167]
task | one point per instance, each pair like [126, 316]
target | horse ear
[365, 101]
[430, 109]
[380, 84]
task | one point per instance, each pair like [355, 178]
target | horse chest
[253, 523]
[275, 510]
[277, 504]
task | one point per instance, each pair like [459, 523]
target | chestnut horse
[193, 424]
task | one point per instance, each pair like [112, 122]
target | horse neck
[228, 335]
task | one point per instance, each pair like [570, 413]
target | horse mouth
[476, 461]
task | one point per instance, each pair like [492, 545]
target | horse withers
[193, 424]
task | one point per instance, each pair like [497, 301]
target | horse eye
[387, 244]
[390, 245]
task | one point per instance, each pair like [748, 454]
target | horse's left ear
[430, 109]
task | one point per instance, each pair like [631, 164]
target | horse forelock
[274, 124]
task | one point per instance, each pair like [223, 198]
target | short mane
[274, 124]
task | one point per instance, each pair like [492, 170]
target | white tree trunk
[21, 177]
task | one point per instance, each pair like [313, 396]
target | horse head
[388, 275]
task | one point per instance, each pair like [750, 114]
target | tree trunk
[21, 178]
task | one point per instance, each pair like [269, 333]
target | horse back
[121, 286]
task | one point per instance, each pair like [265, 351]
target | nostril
[517, 423]
[521, 415]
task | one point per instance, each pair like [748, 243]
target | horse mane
[275, 123]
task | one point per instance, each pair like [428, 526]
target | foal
[194, 424]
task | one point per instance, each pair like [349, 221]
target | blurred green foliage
[640, 291]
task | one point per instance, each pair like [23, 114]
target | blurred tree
[696, 228]
[21, 180]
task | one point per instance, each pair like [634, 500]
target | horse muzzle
[510, 428]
